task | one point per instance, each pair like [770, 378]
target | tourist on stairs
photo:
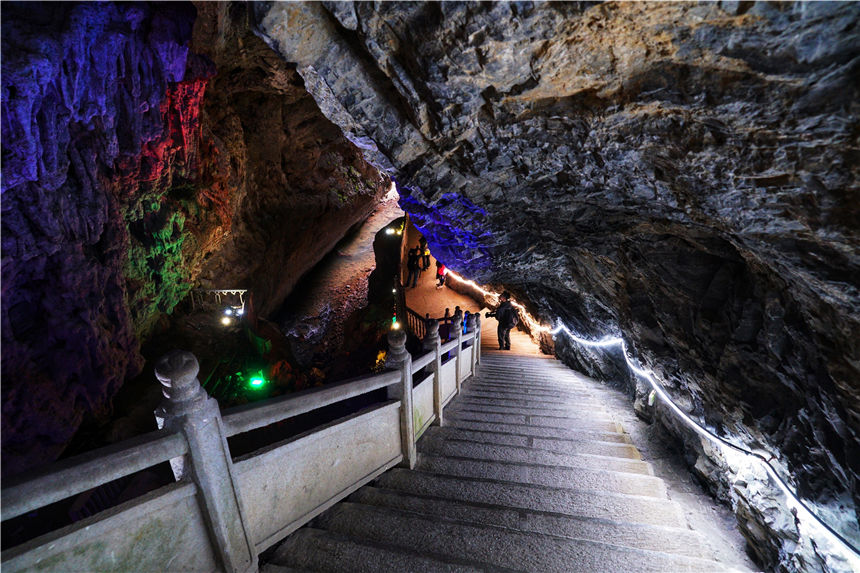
[508, 318]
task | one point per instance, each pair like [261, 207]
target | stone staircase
[528, 474]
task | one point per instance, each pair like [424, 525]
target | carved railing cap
[397, 353]
[177, 371]
[176, 366]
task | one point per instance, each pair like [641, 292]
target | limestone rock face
[683, 175]
[147, 149]
[298, 184]
[83, 90]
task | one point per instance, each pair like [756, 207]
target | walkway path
[529, 473]
[426, 298]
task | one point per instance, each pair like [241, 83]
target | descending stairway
[528, 474]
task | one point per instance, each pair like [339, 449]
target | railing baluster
[399, 358]
[432, 343]
[470, 327]
[478, 336]
[188, 409]
[458, 324]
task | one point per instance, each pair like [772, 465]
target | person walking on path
[413, 265]
[440, 274]
[508, 318]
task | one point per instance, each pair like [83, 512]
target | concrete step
[554, 476]
[589, 412]
[498, 546]
[558, 445]
[638, 535]
[313, 549]
[525, 399]
[528, 399]
[540, 368]
[360, 517]
[568, 393]
[537, 431]
[453, 412]
[512, 381]
[543, 374]
[474, 450]
[564, 499]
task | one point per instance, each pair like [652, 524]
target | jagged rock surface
[146, 149]
[684, 175]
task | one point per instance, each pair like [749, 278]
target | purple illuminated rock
[147, 148]
[82, 84]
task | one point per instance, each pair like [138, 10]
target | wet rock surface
[682, 175]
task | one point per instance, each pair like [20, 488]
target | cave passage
[669, 190]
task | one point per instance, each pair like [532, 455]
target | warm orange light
[534, 326]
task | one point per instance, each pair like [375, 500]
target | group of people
[505, 314]
[418, 261]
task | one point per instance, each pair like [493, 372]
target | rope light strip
[849, 552]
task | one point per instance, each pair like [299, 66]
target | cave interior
[681, 176]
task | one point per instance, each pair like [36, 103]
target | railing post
[188, 409]
[432, 343]
[470, 327]
[478, 336]
[399, 358]
[458, 323]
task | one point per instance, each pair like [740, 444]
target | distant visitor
[440, 274]
[508, 318]
[413, 264]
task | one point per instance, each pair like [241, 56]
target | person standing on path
[508, 318]
[440, 274]
[413, 265]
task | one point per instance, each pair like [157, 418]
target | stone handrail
[416, 323]
[419, 363]
[224, 511]
[81, 473]
[260, 414]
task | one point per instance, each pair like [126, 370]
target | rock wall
[147, 149]
[684, 175]
[84, 105]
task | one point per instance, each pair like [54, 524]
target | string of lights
[804, 514]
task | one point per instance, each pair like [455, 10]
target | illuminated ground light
[226, 320]
[257, 381]
[808, 522]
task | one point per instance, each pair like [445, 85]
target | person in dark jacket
[508, 318]
[413, 264]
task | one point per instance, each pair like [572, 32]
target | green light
[258, 380]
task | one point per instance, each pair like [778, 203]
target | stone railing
[222, 511]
